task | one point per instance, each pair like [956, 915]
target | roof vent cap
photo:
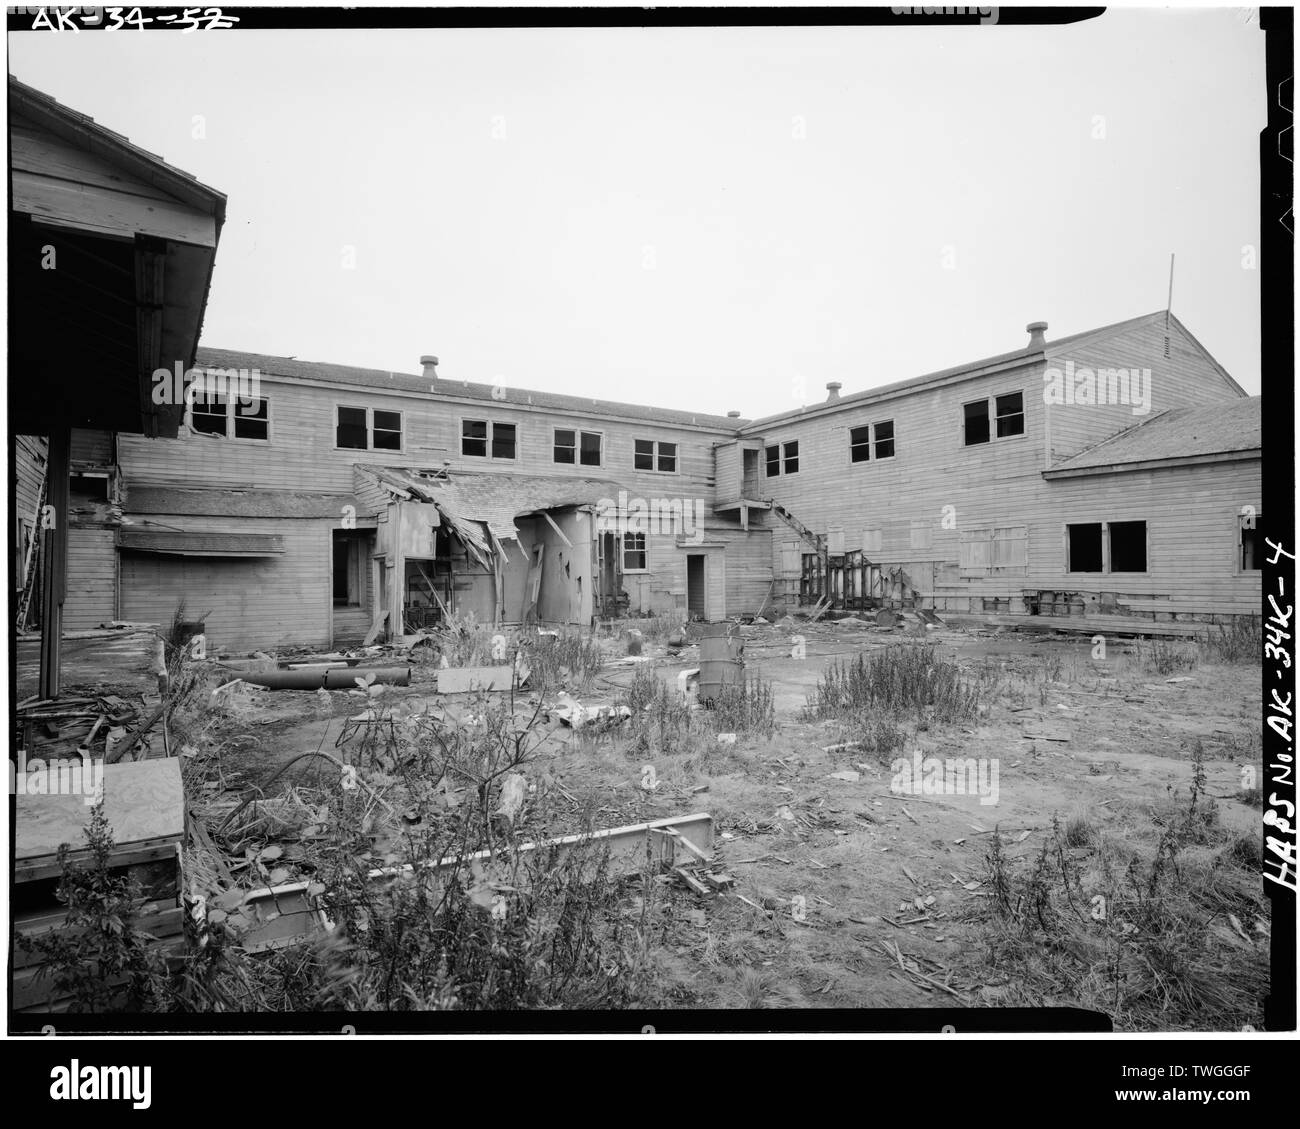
[1037, 331]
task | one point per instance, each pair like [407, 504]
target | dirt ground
[862, 897]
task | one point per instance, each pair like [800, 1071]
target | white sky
[777, 264]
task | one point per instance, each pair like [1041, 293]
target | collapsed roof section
[482, 507]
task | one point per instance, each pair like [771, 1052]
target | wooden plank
[558, 531]
[153, 918]
[136, 854]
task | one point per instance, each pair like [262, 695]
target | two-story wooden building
[1114, 472]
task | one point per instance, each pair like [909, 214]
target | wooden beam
[558, 531]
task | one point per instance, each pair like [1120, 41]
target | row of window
[373, 429]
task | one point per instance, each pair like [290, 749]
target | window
[1128, 546]
[859, 444]
[885, 439]
[1007, 413]
[655, 454]
[1011, 414]
[367, 429]
[977, 422]
[922, 536]
[216, 413]
[478, 437]
[577, 446]
[1248, 544]
[1084, 547]
[782, 458]
[873, 541]
[634, 552]
[386, 431]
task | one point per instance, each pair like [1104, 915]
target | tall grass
[908, 679]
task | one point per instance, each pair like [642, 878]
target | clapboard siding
[92, 579]
[254, 602]
[301, 455]
[1185, 379]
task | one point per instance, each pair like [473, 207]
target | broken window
[860, 444]
[1128, 546]
[885, 439]
[1084, 547]
[479, 436]
[773, 457]
[1011, 414]
[208, 414]
[1248, 544]
[977, 422]
[790, 461]
[363, 429]
[634, 552]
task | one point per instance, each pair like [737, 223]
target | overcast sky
[707, 219]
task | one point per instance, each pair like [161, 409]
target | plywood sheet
[142, 800]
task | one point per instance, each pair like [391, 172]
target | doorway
[695, 604]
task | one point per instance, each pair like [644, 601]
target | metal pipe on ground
[335, 679]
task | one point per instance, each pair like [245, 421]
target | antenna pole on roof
[1170, 303]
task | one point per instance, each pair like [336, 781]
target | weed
[904, 679]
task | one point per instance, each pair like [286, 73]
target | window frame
[860, 445]
[1106, 556]
[229, 433]
[786, 457]
[1241, 569]
[991, 418]
[370, 428]
[656, 453]
[578, 433]
[1146, 548]
[644, 550]
[491, 425]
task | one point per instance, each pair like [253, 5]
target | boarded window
[1011, 414]
[791, 559]
[1249, 543]
[1083, 547]
[885, 439]
[634, 552]
[859, 444]
[922, 535]
[977, 422]
[835, 540]
[975, 554]
[351, 430]
[873, 541]
[1128, 546]
[1011, 548]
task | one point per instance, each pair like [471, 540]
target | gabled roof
[1219, 432]
[454, 390]
[968, 371]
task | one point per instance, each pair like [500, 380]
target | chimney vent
[833, 390]
[733, 415]
[430, 365]
[1037, 331]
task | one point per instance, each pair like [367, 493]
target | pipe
[328, 679]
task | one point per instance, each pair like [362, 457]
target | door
[695, 602]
